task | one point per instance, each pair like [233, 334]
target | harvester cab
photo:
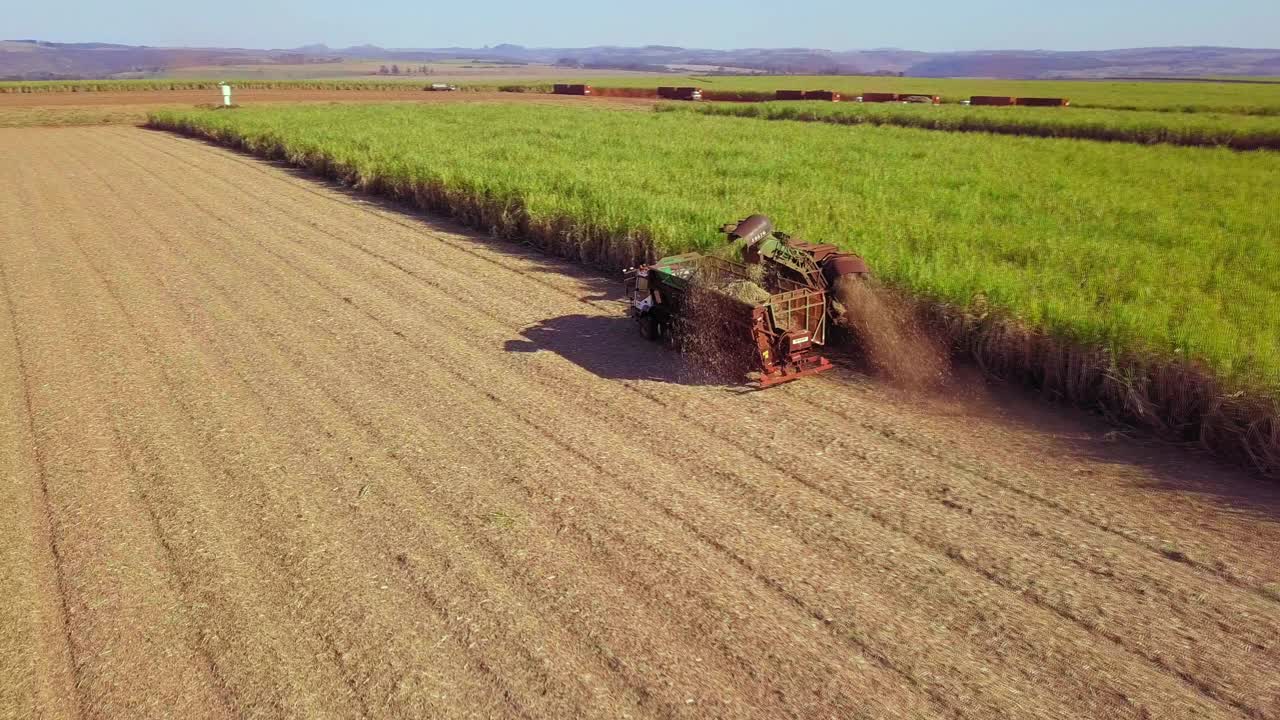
[772, 311]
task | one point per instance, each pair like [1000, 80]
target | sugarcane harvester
[772, 310]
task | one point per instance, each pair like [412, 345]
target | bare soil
[274, 450]
[131, 108]
[247, 97]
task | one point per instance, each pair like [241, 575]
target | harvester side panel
[801, 312]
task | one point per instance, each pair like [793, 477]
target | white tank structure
[226, 94]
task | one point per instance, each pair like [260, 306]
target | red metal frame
[787, 331]
[775, 327]
[813, 365]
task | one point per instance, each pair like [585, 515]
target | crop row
[1146, 280]
[1195, 129]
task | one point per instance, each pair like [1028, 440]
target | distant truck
[680, 93]
[878, 97]
[1004, 101]
[571, 89]
[824, 95]
[1043, 102]
[440, 87]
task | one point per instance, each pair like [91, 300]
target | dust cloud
[895, 343]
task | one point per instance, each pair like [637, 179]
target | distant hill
[34, 59]
[1149, 62]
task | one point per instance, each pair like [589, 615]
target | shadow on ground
[610, 347]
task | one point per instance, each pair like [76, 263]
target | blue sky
[922, 25]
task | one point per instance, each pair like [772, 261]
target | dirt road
[271, 450]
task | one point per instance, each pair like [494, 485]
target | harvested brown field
[245, 97]
[131, 107]
[275, 450]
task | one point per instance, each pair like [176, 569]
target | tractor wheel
[649, 328]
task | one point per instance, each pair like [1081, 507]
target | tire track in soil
[327, 329]
[1186, 572]
[993, 473]
[142, 461]
[353, 682]
[330, 643]
[201, 263]
[1190, 677]
[116, 583]
[1261, 643]
[55, 691]
[149, 460]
